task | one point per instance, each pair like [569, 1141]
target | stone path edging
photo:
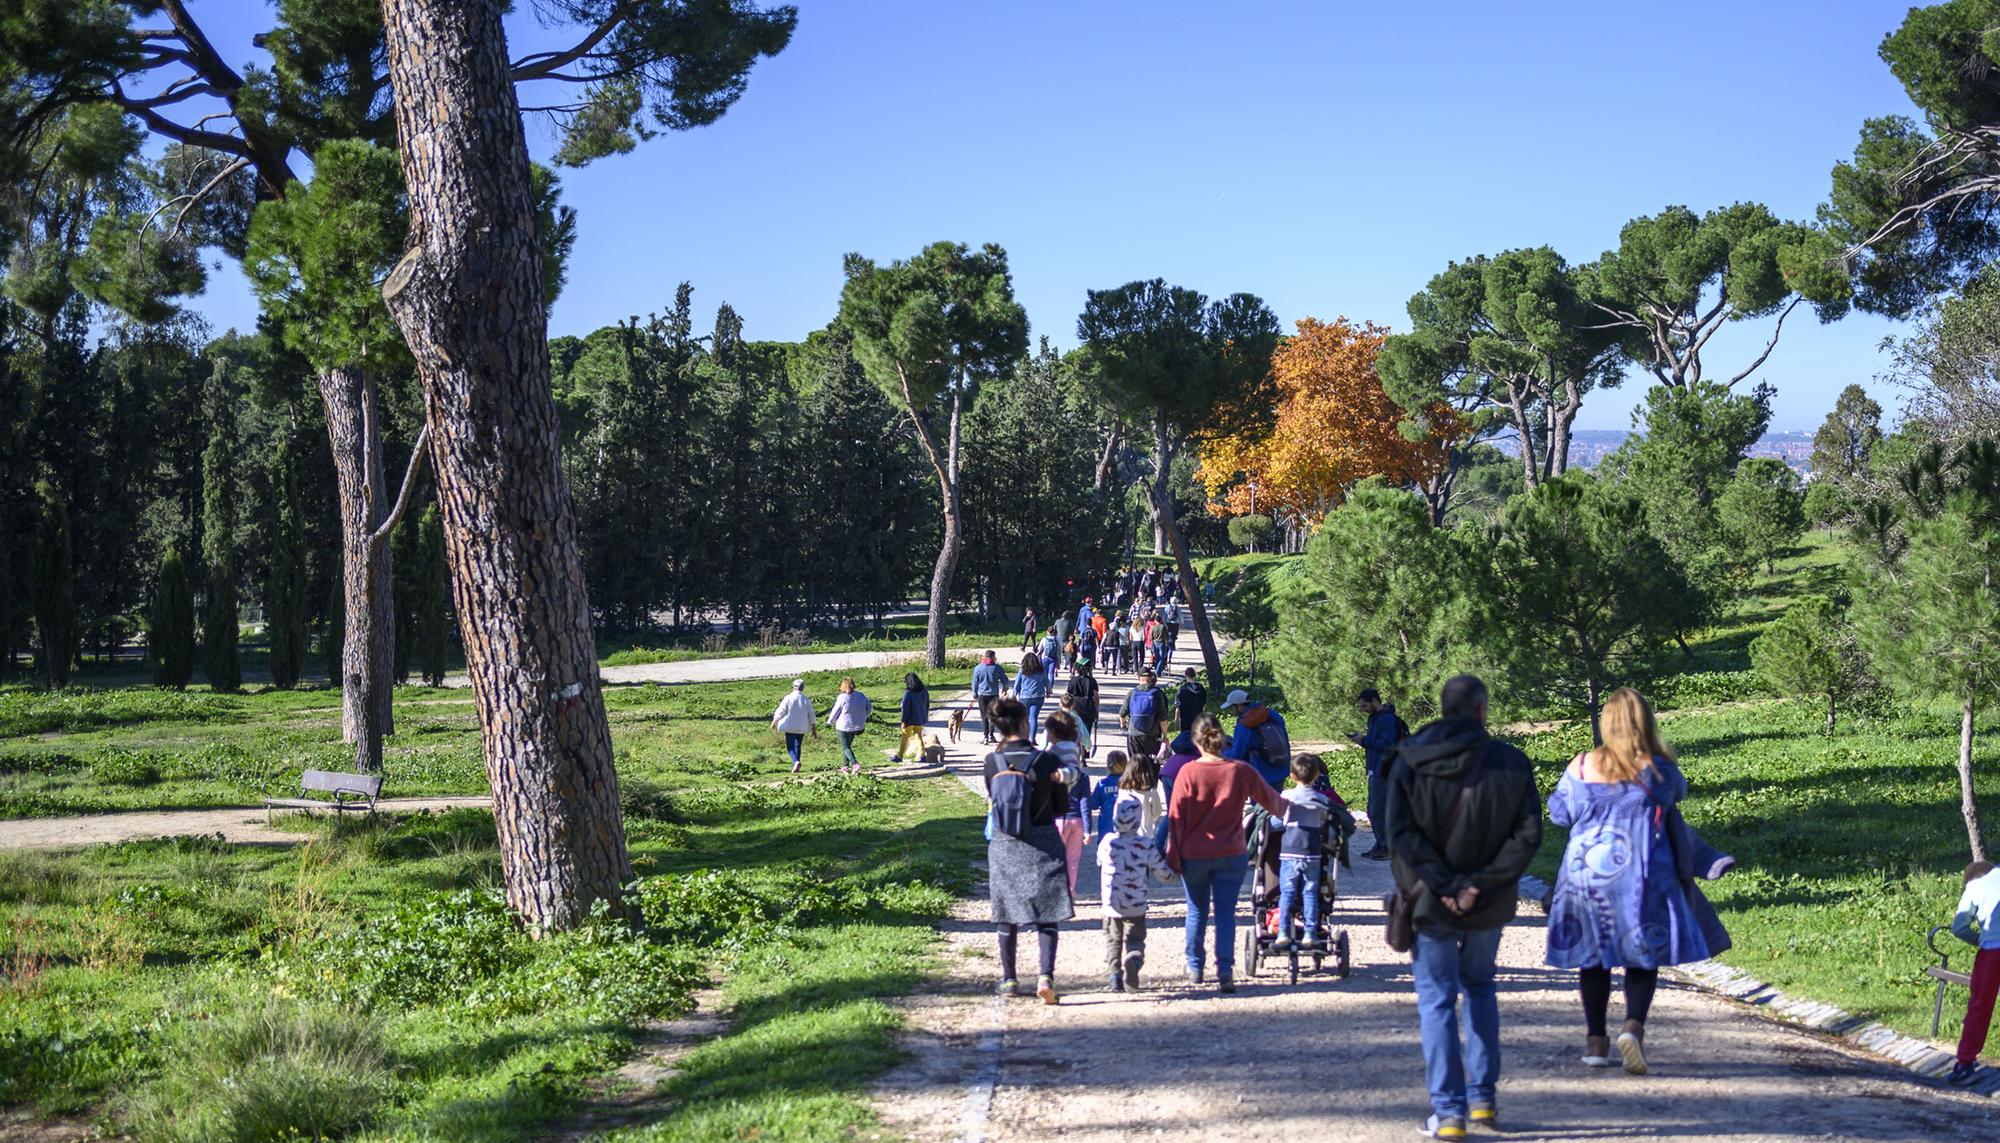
[1924, 1057]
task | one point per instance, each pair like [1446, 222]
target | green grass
[903, 634]
[93, 751]
[131, 975]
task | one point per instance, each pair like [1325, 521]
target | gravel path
[235, 823]
[246, 823]
[1339, 1058]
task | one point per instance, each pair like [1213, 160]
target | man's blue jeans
[1445, 964]
[1296, 874]
[792, 744]
[1213, 883]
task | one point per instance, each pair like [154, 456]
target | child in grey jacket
[1128, 862]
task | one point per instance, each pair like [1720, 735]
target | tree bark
[1107, 462]
[468, 299]
[1968, 805]
[368, 642]
[1163, 518]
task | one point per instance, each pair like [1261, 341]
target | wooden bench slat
[335, 781]
[1937, 973]
[345, 792]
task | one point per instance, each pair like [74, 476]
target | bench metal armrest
[1930, 938]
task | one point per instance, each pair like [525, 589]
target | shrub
[432, 949]
[639, 799]
[281, 1070]
[604, 972]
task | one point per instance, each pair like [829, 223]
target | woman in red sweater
[1206, 846]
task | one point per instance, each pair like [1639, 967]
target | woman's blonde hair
[1631, 737]
[847, 685]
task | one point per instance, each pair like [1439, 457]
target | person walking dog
[989, 682]
[1464, 821]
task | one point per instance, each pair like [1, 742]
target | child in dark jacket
[916, 712]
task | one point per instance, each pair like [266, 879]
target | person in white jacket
[848, 718]
[794, 719]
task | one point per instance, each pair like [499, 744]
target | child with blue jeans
[1302, 849]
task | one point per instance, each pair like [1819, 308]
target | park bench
[1944, 974]
[343, 792]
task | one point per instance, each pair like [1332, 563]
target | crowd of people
[1454, 810]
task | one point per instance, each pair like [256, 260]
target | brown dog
[955, 725]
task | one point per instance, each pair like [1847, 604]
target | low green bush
[281, 1070]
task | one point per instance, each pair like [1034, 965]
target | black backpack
[1013, 791]
[1271, 743]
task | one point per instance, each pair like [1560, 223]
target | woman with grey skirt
[1029, 874]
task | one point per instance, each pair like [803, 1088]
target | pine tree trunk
[1968, 804]
[368, 648]
[468, 299]
[1190, 591]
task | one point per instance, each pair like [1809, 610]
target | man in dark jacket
[1464, 820]
[1189, 700]
[1378, 742]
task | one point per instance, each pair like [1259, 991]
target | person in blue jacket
[1378, 742]
[1251, 744]
[1084, 615]
[989, 682]
[1031, 688]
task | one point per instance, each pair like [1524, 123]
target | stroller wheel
[1341, 962]
[1250, 950]
[1295, 964]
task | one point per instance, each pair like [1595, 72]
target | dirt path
[239, 824]
[1334, 1058]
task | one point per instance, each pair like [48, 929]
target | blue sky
[1329, 157]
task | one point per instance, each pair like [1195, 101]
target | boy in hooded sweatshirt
[1302, 849]
[1127, 862]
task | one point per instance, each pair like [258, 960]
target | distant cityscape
[1589, 447]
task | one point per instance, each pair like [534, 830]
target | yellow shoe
[1439, 1127]
[1484, 1115]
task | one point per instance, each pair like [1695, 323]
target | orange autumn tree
[1333, 427]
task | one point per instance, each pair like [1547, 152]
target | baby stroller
[1266, 835]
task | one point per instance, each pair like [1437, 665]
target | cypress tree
[218, 544]
[402, 545]
[170, 635]
[54, 588]
[431, 601]
[285, 590]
